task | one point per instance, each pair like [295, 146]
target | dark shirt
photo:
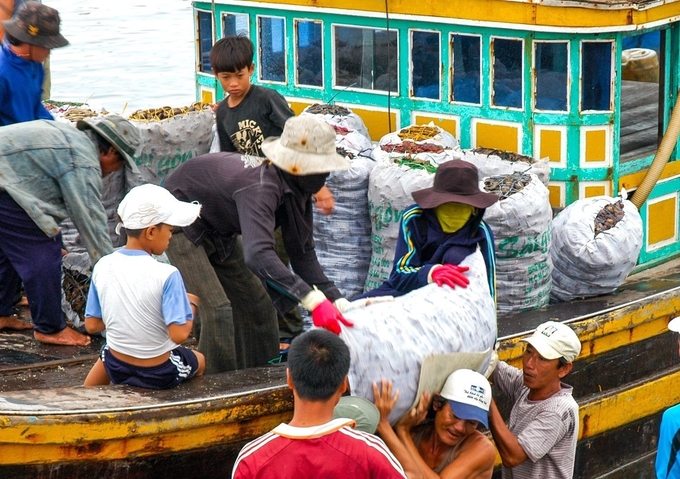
[261, 114]
[252, 198]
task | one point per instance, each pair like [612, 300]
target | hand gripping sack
[586, 264]
[521, 226]
[389, 340]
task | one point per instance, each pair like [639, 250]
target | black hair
[12, 40]
[232, 54]
[318, 362]
[562, 362]
[136, 233]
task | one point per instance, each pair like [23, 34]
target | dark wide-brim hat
[119, 132]
[36, 24]
[455, 181]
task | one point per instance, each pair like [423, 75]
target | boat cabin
[590, 84]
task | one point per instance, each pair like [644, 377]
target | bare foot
[65, 337]
[14, 323]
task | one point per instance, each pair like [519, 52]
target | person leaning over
[668, 450]
[442, 440]
[540, 441]
[30, 34]
[48, 171]
[141, 302]
[313, 444]
[252, 198]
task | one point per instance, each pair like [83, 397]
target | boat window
[366, 58]
[309, 53]
[272, 41]
[425, 65]
[596, 75]
[235, 24]
[466, 68]
[550, 65]
[205, 41]
[642, 98]
[508, 69]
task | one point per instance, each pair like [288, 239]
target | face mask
[453, 216]
[310, 183]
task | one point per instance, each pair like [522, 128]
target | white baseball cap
[149, 205]
[674, 325]
[469, 395]
[555, 340]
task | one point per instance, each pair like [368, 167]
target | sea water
[125, 55]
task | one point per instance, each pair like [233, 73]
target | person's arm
[93, 311]
[94, 325]
[507, 443]
[324, 201]
[280, 110]
[176, 307]
[81, 192]
[225, 136]
[385, 401]
[180, 332]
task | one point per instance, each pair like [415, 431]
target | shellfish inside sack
[390, 340]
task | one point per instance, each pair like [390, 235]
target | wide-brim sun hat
[469, 395]
[36, 24]
[306, 147]
[148, 205]
[455, 181]
[119, 132]
[554, 340]
[364, 413]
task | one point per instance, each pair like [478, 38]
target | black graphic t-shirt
[261, 114]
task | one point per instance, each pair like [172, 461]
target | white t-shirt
[137, 297]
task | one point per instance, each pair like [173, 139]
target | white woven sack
[587, 265]
[521, 228]
[350, 122]
[492, 165]
[390, 340]
[343, 238]
[389, 193]
[444, 139]
[166, 144]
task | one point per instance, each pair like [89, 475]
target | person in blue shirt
[439, 232]
[29, 35]
[668, 449]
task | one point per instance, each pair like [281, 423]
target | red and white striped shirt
[331, 450]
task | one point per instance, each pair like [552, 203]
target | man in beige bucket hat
[227, 257]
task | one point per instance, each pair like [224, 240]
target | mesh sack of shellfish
[493, 162]
[389, 193]
[346, 233]
[170, 136]
[70, 112]
[390, 340]
[421, 143]
[76, 274]
[339, 116]
[520, 222]
[595, 245]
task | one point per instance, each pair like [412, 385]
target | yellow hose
[660, 159]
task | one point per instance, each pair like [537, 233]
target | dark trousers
[237, 319]
[27, 254]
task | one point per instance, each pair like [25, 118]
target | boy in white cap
[540, 438]
[142, 303]
[440, 438]
[668, 452]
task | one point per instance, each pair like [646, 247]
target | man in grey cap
[50, 171]
[30, 34]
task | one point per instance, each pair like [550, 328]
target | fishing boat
[553, 78]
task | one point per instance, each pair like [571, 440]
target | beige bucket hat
[306, 147]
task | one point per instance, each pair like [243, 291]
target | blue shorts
[180, 366]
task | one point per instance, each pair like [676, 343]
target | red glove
[325, 315]
[450, 275]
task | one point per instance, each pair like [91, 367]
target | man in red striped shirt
[314, 444]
